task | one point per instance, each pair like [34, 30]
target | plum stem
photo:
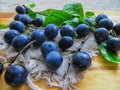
[25, 48]
[113, 33]
[69, 63]
[72, 52]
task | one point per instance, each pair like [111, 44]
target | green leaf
[32, 14]
[108, 55]
[89, 14]
[82, 20]
[93, 20]
[57, 17]
[3, 26]
[74, 9]
[31, 4]
[73, 22]
[47, 11]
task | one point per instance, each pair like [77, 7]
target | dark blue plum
[65, 42]
[116, 28]
[20, 41]
[67, 30]
[39, 36]
[51, 31]
[106, 23]
[21, 10]
[9, 35]
[99, 17]
[47, 47]
[37, 22]
[17, 25]
[16, 75]
[81, 61]
[113, 44]
[1, 68]
[53, 60]
[17, 17]
[82, 30]
[101, 35]
[89, 21]
[26, 19]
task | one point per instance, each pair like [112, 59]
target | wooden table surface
[102, 75]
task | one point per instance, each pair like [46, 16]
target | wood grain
[6, 17]
[102, 75]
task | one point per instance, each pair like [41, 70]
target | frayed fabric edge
[31, 85]
[55, 81]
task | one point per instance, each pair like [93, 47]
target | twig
[77, 48]
[82, 43]
[74, 51]
[25, 48]
[113, 33]
[69, 63]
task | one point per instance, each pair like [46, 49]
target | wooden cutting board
[102, 75]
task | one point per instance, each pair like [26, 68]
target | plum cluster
[18, 37]
[107, 32]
